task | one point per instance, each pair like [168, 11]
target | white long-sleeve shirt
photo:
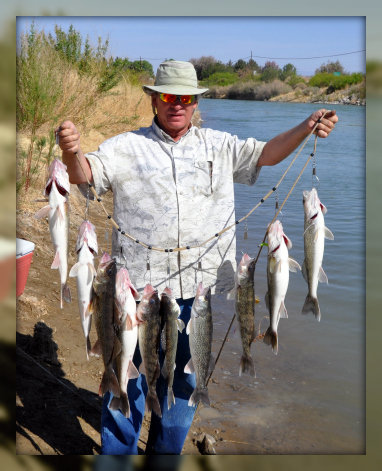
[171, 194]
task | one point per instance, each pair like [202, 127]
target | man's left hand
[326, 126]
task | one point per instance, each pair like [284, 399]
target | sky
[306, 42]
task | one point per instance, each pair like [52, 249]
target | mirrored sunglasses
[184, 99]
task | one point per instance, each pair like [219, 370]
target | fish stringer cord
[178, 249]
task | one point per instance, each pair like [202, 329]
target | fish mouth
[60, 189]
[274, 250]
[313, 217]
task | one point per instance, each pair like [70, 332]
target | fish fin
[199, 395]
[132, 372]
[211, 365]
[293, 265]
[129, 323]
[247, 366]
[157, 371]
[304, 273]
[231, 294]
[66, 293]
[188, 328]
[88, 347]
[74, 270]
[189, 368]
[180, 325]
[270, 338]
[164, 370]
[142, 369]
[272, 265]
[116, 349]
[311, 305]
[323, 208]
[96, 351]
[328, 234]
[278, 266]
[282, 311]
[56, 260]
[92, 270]
[136, 295]
[121, 403]
[309, 227]
[152, 403]
[109, 383]
[266, 299]
[316, 235]
[43, 212]
[288, 242]
[170, 398]
[322, 278]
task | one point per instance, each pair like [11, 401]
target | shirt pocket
[203, 176]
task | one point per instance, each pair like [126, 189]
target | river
[310, 398]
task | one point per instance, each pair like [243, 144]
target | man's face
[174, 118]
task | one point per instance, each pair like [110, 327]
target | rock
[204, 444]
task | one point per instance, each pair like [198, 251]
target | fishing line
[188, 247]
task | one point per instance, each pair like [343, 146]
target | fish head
[58, 175]
[245, 269]
[202, 302]
[149, 304]
[86, 233]
[276, 237]
[106, 272]
[312, 204]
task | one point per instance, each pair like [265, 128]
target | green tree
[240, 65]
[330, 67]
[289, 70]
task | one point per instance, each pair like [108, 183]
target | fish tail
[109, 383]
[88, 347]
[170, 398]
[152, 403]
[247, 366]
[199, 395]
[270, 338]
[311, 305]
[66, 295]
[121, 403]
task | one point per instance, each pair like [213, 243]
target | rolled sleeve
[100, 166]
[247, 154]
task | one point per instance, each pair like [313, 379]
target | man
[173, 187]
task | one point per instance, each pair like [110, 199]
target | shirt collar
[163, 135]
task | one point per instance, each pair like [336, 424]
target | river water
[310, 398]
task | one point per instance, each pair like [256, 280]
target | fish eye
[151, 301]
[109, 271]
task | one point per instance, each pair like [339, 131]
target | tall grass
[51, 88]
[336, 82]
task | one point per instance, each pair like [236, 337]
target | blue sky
[284, 39]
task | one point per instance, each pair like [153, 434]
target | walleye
[126, 295]
[199, 329]
[244, 295]
[57, 191]
[84, 271]
[278, 266]
[149, 339]
[169, 313]
[314, 238]
[106, 317]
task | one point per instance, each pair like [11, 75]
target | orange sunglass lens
[186, 99]
[168, 98]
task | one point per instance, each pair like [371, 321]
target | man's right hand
[69, 137]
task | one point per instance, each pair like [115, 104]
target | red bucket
[7, 266]
[23, 262]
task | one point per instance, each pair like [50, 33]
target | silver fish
[169, 313]
[200, 329]
[57, 191]
[106, 319]
[314, 240]
[126, 296]
[278, 266]
[84, 272]
[149, 340]
[244, 295]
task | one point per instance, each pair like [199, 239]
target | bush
[270, 90]
[220, 79]
[334, 81]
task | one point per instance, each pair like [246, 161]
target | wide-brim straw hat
[177, 78]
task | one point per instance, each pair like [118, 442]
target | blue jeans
[119, 436]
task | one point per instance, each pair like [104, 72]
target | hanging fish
[244, 296]
[169, 313]
[314, 240]
[57, 191]
[278, 266]
[126, 296]
[84, 271]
